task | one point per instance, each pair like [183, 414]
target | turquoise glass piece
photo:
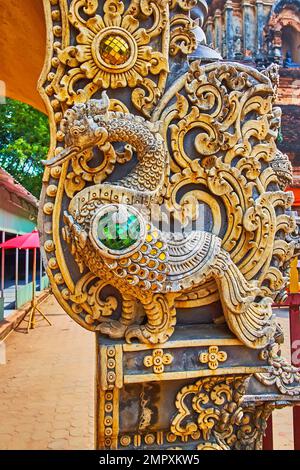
[118, 236]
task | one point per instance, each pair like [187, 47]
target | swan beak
[62, 157]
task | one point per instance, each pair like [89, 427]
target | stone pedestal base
[201, 390]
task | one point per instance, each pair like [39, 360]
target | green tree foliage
[24, 142]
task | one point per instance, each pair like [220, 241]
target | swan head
[83, 127]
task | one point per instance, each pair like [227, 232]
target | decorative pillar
[209, 29]
[238, 44]
[247, 28]
[2, 279]
[260, 23]
[229, 28]
[3, 266]
[268, 442]
[277, 46]
[41, 271]
[16, 275]
[26, 266]
[294, 314]
[218, 30]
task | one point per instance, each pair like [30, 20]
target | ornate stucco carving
[240, 267]
[141, 135]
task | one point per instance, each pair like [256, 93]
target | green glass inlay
[118, 236]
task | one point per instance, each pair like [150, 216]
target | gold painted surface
[158, 361]
[184, 344]
[114, 50]
[191, 374]
[213, 357]
[214, 401]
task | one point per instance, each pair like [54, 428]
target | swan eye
[117, 230]
[77, 130]
[118, 234]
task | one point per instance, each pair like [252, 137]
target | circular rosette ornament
[117, 230]
[113, 51]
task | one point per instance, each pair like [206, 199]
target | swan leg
[116, 329]
[161, 316]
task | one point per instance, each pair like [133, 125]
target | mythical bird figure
[164, 211]
[110, 236]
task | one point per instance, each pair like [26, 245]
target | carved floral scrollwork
[182, 37]
[88, 295]
[211, 142]
[215, 407]
[211, 446]
[249, 434]
[283, 375]
[185, 5]
[228, 114]
[112, 50]
[215, 410]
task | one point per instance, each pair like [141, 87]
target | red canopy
[296, 192]
[24, 242]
